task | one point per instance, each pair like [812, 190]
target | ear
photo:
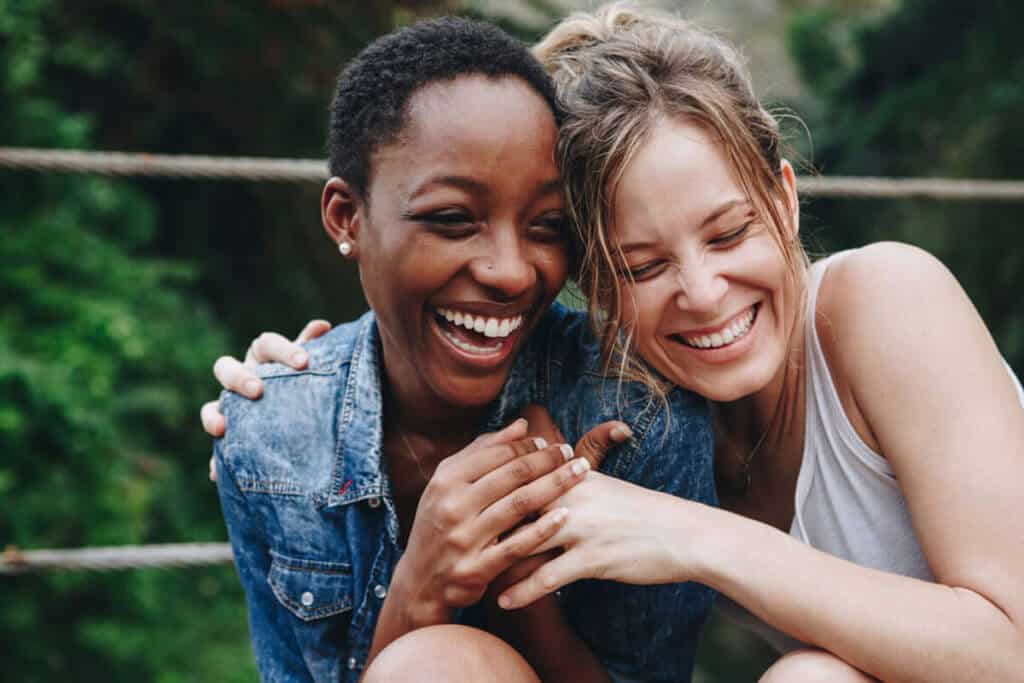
[342, 213]
[792, 200]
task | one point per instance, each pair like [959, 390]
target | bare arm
[935, 393]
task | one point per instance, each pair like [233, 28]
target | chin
[471, 392]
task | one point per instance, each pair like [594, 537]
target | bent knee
[449, 653]
[813, 666]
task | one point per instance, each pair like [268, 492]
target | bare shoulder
[880, 278]
[891, 314]
[880, 294]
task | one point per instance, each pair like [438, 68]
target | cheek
[641, 313]
[552, 261]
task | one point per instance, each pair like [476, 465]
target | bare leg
[813, 666]
[449, 653]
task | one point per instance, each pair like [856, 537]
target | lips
[727, 334]
[481, 340]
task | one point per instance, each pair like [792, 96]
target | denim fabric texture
[307, 502]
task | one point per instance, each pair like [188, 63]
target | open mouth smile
[730, 333]
[480, 336]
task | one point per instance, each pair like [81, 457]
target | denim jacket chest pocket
[311, 589]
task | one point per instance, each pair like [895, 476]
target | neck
[767, 423]
[412, 409]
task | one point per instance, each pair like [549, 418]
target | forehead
[678, 176]
[477, 126]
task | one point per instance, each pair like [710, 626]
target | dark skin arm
[540, 631]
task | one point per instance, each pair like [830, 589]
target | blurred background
[116, 295]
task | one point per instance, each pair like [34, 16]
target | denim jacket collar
[358, 472]
[358, 469]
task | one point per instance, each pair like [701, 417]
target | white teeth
[736, 330]
[470, 348]
[489, 327]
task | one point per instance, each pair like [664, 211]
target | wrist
[701, 540]
[726, 545]
[415, 604]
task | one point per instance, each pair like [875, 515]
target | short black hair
[369, 106]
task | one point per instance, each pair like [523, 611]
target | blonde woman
[871, 437]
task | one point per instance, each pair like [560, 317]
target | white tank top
[848, 502]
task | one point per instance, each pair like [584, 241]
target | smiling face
[460, 241]
[713, 301]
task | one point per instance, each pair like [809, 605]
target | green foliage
[104, 357]
[932, 88]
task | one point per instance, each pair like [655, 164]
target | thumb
[596, 443]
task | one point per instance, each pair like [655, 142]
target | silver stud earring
[345, 248]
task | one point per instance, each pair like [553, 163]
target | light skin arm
[934, 393]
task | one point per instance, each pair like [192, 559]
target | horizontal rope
[164, 165]
[312, 170]
[908, 188]
[15, 561]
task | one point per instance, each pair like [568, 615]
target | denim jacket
[315, 536]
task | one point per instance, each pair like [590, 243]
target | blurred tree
[930, 88]
[107, 289]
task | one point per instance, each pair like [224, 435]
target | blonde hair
[618, 71]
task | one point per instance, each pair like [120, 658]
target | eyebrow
[720, 211]
[472, 185]
[462, 182]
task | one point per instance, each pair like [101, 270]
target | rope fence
[15, 561]
[313, 170]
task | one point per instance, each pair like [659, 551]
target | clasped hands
[474, 527]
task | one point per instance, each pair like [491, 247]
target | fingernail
[298, 358]
[504, 602]
[566, 451]
[540, 443]
[621, 433]
[252, 387]
[580, 465]
[560, 514]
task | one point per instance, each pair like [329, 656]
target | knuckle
[546, 577]
[522, 470]
[448, 512]
[521, 503]
[513, 549]
[464, 573]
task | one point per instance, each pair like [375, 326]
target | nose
[701, 288]
[504, 269]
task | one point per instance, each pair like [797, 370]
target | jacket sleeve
[277, 651]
